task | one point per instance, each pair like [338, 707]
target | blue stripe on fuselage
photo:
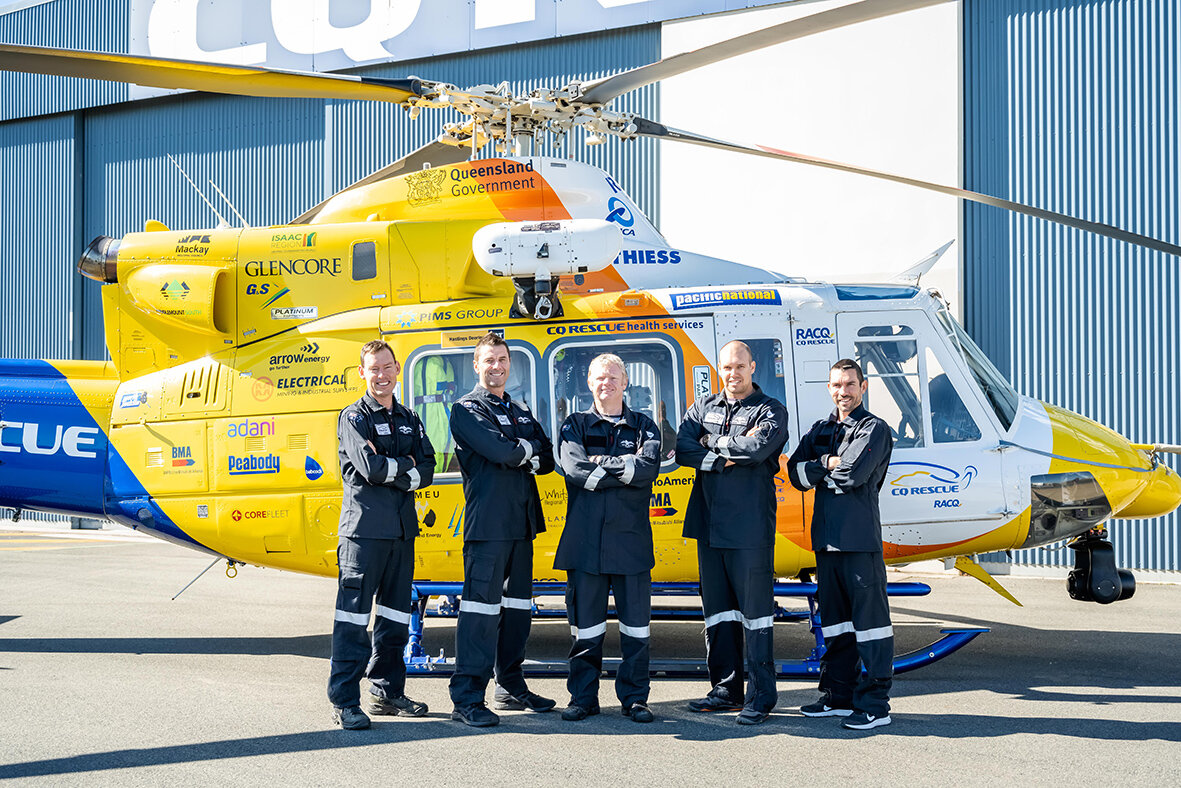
[55, 458]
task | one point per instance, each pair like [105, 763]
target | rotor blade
[601, 91]
[647, 128]
[434, 153]
[161, 72]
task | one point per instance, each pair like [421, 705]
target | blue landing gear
[418, 662]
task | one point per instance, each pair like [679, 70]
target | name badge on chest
[503, 419]
[713, 417]
[382, 429]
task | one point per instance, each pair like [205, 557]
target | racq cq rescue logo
[928, 479]
[818, 335]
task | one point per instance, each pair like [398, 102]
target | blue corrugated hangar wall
[1072, 105]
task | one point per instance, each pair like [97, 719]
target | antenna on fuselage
[241, 218]
[221, 219]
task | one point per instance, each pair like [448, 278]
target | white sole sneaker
[827, 712]
[872, 722]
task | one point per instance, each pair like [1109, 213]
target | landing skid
[419, 663]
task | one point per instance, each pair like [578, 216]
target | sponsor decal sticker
[425, 187]
[928, 479]
[175, 290]
[312, 469]
[288, 240]
[193, 246]
[703, 298]
[302, 266]
[307, 354]
[251, 429]
[294, 312]
[820, 335]
[133, 399]
[182, 457]
[253, 465]
[262, 388]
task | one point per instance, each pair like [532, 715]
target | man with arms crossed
[385, 456]
[733, 439]
[610, 456]
[844, 457]
[500, 447]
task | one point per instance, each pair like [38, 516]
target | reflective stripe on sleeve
[878, 633]
[723, 447]
[842, 628]
[725, 615]
[391, 470]
[516, 604]
[634, 632]
[482, 608]
[595, 477]
[629, 469]
[415, 478]
[360, 619]
[802, 474]
[587, 633]
[391, 614]
[528, 447]
[710, 461]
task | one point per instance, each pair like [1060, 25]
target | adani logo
[924, 478]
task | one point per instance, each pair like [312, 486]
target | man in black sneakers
[610, 456]
[500, 447]
[844, 457]
[385, 456]
[733, 440]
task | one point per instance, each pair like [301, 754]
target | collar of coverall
[374, 405]
[627, 415]
[755, 393]
[857, 415]
[480, 391]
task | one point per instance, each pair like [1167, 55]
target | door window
[652, 387]
[769, 373]
[438, 379]
[889, 356]
[950, 420]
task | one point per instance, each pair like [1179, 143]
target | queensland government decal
[702, 298]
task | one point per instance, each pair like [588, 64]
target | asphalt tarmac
[105, 680]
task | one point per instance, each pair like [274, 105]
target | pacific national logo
[924, 478]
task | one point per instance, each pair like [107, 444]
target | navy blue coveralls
[375, 553]
[731, 514]
[500, 447]
[850, 571]
[606, 546]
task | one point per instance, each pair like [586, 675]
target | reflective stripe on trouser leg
[723, 632]
[479, 619]
[586, 610]
[873, 633]
[391, 622]
[633, 606]
[839, 663]
[750, 572]
[515, 619]
[359, 562]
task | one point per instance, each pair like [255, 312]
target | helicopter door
[944, 470]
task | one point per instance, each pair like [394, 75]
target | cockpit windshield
[1000, 395]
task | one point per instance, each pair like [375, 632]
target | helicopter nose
[1161, 496]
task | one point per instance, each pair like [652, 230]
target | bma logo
[66, 440]
[924, 478]
[815, 336]
[618, 212]
[182, 457]
[175, 290]
[425, 187]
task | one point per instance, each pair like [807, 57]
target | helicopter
[233, 349]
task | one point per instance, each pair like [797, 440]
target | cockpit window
[1000, 395]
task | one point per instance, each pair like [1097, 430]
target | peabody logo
[425, 187]
[253, 465]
